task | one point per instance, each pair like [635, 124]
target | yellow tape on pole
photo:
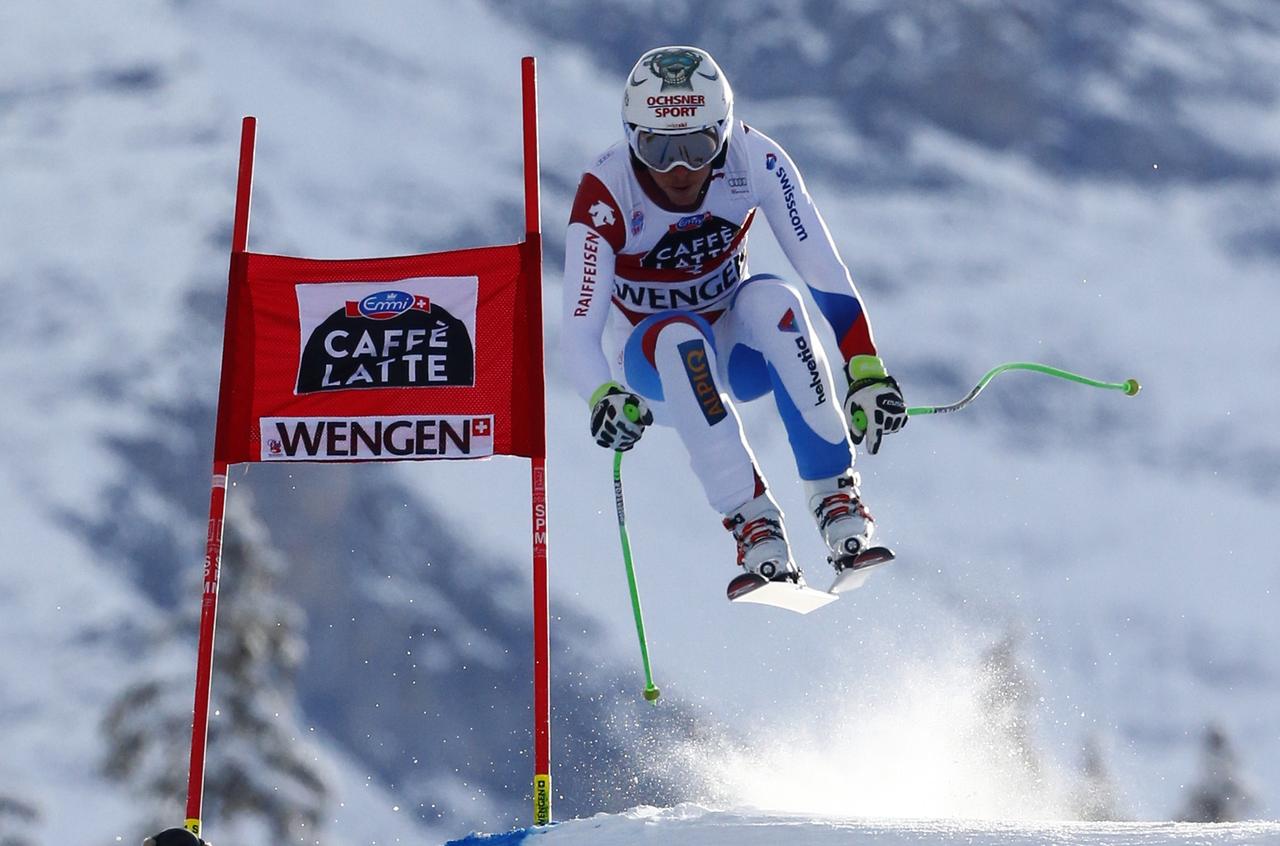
[541, 799]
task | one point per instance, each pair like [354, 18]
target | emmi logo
[375, 438]
[387, 339]
[698, 369]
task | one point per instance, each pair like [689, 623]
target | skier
[663, 324]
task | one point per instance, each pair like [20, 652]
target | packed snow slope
[692, 825]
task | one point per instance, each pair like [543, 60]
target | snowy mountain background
[1092, 185]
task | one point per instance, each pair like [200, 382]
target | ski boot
[763, 550]
[847, 528]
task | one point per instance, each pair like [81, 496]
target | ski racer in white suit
[662, 322]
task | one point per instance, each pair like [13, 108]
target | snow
[693, 825]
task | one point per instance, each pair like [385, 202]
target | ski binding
[791, 595]
[852, 572]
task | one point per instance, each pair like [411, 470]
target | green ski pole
[651, 693]
[1130, 387]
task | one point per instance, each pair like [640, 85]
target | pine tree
[18, 820]
[1222, 793]
[1095, 796]
[258, 769]
[1008, 698]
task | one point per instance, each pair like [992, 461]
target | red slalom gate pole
[538, 471]
[217, 508]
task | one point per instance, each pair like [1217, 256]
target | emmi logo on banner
[387, 339]
[374, 438]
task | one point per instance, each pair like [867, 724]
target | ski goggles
[662, 152]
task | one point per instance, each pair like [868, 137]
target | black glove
[618, 417]
[174, 837]
[873, 405]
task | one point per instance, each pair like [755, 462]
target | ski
[852, 572]
[784, 593]
[795, 595]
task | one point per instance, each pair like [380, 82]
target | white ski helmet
[677, 108]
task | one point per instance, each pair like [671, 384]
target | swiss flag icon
[480, 426]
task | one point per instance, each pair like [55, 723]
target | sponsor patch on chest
[691, 241]
[693, 295]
